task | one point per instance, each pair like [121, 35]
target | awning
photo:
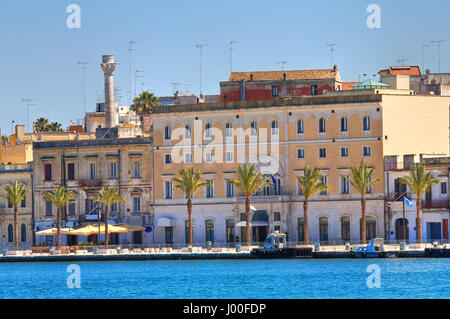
[165, 222]
[253, 224]
[53, 232]
[130, 228]
[95, 229]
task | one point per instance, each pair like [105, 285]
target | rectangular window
[208, 157]
[229, 157]
[344, 151]
[70, 171]
[113, 208]
[300, 127]
[168, 187]
[366, 151]
[23, 204]
[274, 91]
[444, 188]
[324, 179]
[230, 230]
[136, 169]
[300, 153]
[210, 190]
[113, 170]
[188, 158]
[72, 208]
[230, 188]
[344, 124]
[167, 159]
[92, 170]
[314, 90]
[322, 152]
[48, 208]
[136, 204]
[345, 185]
[48, 172]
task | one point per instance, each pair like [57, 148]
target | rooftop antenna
[423, 55]
[200, 47]
[283, 63]
[136, 76]
[332, 49]
[130, 49]
[231, 54]
[186, 88]
[142, 85]
[28, 103]
[401, 62]
[83, 67]
[438, 43]
[175, 86]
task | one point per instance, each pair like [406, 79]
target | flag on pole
[408, 202]
[253, 208]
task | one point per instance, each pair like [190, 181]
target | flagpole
[404, 221]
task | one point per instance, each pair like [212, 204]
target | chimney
[108, 67]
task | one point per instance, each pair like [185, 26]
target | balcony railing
[90, 183]
[398, 197]
[428, 204]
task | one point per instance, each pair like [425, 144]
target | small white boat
[375, 249]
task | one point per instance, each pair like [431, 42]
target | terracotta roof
[401, 70]
[348, 86]
[290, 75]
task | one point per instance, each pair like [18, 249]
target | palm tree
[249, 182]
[108, 196]
[419, 182]
[144, 104]
[190, 183]
[60, 197]
[361, 179]
[41, 124]
[310, 184]
[55, 127]
[15, 194]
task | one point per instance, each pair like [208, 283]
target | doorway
[259, 234]
[137, 238]
[71, 240]
[434, 231]
[402, 229]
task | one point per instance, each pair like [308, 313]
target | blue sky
[39, 54]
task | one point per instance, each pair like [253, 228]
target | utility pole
[28, 104]
[200, 47]
[83, 67]
[438, 43]
[332, 49]
[130, 49]
[231, 54]
[423, 55]
[283, 63]
[136, 76]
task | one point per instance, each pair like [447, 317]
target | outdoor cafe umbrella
[53, 231]
[94, 229]
[130, 228]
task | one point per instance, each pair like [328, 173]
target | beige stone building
[331, 132]
[9, 174]
[84, 167]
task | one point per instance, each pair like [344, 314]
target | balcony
[90, 183]
[397, 196]
[430, 204]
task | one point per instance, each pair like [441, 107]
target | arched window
[187, 131]
[345, 228]
[366, 123]
[274, 128]
[300, 127]
[371, 228]
[10, 233]
[208, 131]
[301, 229]
[228, 129]
[230, 230]
[209, 224]
[23, 233]
[186, 224]
[323, 224]
[322, 125]
[344, 127]
[253, 128]
[167, 133]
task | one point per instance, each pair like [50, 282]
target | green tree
[190, 183]
[41, 125]
[60, 197]
[15, 194]
[249, 182]
[419, 182]
[362, 180]
[144, 104]
[54, 127]
[310, 184]
[108, 196]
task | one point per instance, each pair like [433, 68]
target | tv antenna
[423, 55]
[28, 103]
[402, 62]
[175, 86]
[283, 63]
[438, 43]
[83, 67]
[200, 47]
[231, 54]
[136, 76]
[332, 49]
[130, 49]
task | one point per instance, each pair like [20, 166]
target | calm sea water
[337, 278]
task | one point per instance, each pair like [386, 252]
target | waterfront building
[435, 202]
[330, 132]
[9, 174]
[274, 85]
